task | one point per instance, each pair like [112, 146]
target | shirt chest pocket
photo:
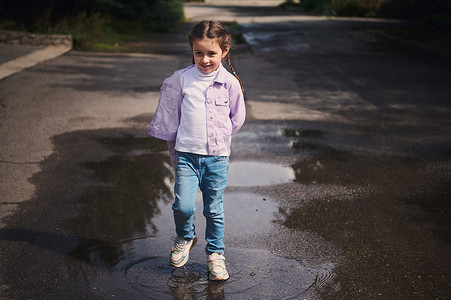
[222, 102]
[222, 110]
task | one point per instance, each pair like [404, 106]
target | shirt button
[211, 118]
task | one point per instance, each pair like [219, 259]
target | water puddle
[253, 173]
[254, 274]
[138, 267]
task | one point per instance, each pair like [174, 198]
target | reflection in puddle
[125, 187]
[252, 173]
[154, 276]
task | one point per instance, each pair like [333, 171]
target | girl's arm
[237, 107]
[166, 119]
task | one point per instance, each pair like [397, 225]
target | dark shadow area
[98, 253]
[96, 193]
[412, 179]
[393, 244]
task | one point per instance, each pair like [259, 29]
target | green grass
[235, 30]
[105, 28]
[95, 33]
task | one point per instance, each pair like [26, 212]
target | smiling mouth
[205, 68]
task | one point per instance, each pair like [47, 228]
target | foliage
[357, 8]
[91, 22]
[436, 14]
[322, 7]
[234, 29]
[46, 14]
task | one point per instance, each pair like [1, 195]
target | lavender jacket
[225, 111]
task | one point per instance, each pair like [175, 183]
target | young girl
[200, 108]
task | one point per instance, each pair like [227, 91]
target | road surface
[339, 180]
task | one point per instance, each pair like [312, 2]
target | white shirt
[192, 131]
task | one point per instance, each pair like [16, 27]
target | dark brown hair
[215, 30]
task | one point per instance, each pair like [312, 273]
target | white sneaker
[180, 251]
[216, 267]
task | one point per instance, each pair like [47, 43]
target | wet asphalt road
[339, 180]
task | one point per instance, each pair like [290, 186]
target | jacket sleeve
[237, 107]
[166, 119]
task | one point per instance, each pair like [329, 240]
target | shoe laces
[217, 261]
[179, 244]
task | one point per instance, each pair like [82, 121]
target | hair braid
[229, 63]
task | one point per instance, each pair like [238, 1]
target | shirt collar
[221, 77]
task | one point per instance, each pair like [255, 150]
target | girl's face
[207, 54]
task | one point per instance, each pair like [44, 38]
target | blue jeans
[209, 173]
